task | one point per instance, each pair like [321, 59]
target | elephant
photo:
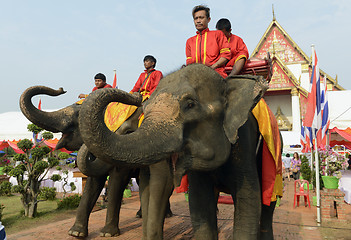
[66, 121]
[204, 123]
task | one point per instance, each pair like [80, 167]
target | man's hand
[221, 62]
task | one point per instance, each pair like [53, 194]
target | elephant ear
[243, 93]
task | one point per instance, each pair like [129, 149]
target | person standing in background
[287, 165]
[295, 166]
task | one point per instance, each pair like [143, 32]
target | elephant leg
[159, 190]
[91, 193]
[203, 205]
[139, 213]
[169, 212]
[118, 181]
[266, 222]
[245, 179]
[144, 193]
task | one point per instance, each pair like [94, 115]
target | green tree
[30, 171]
[64, 176]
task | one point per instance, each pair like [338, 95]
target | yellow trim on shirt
[205, 47]
[197, 39]
[147, 81]
[224, 50]
[240, 57]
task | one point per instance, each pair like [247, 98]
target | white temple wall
[305, 81]
[295, 69]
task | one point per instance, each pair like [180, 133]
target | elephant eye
[190, 104]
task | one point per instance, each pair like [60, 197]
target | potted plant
[330, 165]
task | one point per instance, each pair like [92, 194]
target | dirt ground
[289, 223]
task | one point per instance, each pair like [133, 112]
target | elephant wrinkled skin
[204, 122]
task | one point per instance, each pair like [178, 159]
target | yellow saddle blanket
[116, 113]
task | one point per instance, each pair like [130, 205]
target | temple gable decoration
[277, 41]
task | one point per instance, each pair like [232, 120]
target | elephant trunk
[91, 166]
[56, 121]
[154, 141]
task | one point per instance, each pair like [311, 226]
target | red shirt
[106, 86]
[147, 86]
[207, 48]
[238, 49]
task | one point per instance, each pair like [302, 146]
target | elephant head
[193, 115]
[64, 120]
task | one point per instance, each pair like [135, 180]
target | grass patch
[14, 221]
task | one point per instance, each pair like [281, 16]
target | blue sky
[65, 43]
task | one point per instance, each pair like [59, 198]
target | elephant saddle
[256, 66]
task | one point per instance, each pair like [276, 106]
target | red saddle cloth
[256, 66]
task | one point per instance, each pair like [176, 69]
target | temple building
[288, 89]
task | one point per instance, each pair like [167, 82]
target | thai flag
[316, 103]
[305, 139]
[325, 116]
[39, 104]
[114, 84]
[309, 139]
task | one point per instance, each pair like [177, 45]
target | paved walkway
[289, 223]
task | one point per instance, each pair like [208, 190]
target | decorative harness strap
[142, 85]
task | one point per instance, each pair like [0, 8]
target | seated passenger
[100, 82]
[237, 46]
[149, 79]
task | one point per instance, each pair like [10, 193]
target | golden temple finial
[336, 79]
[273, 12]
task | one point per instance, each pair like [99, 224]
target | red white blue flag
[317, 114]
[306, 139]
[325, 116]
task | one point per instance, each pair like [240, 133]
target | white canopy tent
[13, 126]
[340, 109]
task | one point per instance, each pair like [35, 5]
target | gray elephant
[204, 122]
[66, 121]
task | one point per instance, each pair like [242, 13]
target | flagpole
[316, 158]
[318, 191]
